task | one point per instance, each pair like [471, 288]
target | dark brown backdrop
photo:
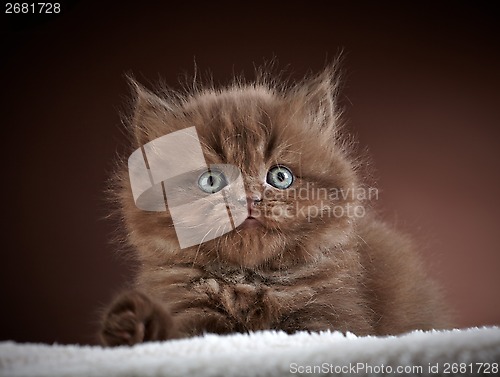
[421, 92]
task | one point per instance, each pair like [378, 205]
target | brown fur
[340, 273]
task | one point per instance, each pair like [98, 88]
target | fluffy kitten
[282, 268]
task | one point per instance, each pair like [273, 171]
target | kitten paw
[134, 318]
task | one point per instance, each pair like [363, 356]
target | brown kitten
[294, 264]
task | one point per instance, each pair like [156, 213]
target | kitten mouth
[250, 222]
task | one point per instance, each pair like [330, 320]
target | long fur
[292, 273]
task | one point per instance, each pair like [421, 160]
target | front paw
[134, 318]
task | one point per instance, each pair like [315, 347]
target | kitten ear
[318, 95]
[150, 115]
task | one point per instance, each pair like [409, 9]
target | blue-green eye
[212, 181]
[280, 177]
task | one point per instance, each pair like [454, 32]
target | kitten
[294, 263]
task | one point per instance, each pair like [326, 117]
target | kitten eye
[280, 177]
[212, 181]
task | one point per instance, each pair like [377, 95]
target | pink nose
[251, 204]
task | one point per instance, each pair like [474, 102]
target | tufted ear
[151, 116]
[318, 95]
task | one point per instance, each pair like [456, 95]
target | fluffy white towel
[268, 353]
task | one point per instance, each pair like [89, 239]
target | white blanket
[267, 353]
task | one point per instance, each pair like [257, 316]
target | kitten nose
[251, 201]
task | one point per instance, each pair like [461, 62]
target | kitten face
[291, 161]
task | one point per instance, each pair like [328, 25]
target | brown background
[421, 92]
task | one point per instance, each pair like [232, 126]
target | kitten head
[299, 179]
